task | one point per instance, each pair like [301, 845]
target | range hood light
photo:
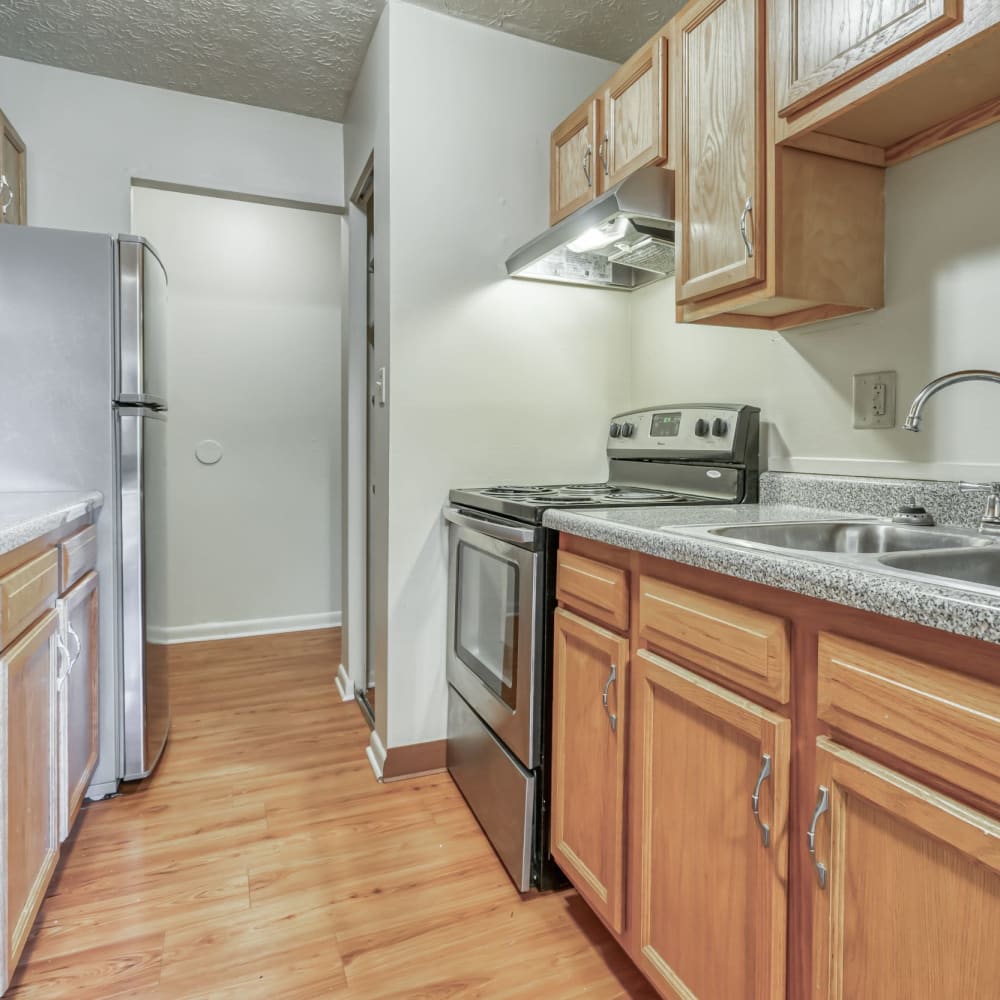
[600, 236]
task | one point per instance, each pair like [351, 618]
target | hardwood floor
[263, 860]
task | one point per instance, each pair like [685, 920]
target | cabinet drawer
[739, 644]
[595, 590]
[26, 592]
[942, 722]
[78, 556]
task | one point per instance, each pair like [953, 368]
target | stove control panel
[720, 431]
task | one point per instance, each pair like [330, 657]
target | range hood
[623, 240]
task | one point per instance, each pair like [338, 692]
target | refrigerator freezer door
[140, 374]
[142, 439]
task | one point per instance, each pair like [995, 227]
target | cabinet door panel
[31, 842]
[721, 158]
[574, 173]
[588, 762]
[833, 43]
[711, 895]
[912, 898]
[78, 702]
[14, 168]
[635, 132]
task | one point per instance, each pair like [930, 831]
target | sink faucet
[912, 422]
[990, 522]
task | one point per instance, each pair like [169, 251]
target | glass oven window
[486, 621]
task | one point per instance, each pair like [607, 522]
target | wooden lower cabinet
[864, 864]
[78, 698]
[709, 885]
[28, 782]
[588, 752]
[910, 908]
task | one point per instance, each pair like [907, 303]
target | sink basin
[980, 566]
[849, 537]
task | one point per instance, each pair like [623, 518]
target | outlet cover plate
[875, 400]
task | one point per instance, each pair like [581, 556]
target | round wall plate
[208, 452]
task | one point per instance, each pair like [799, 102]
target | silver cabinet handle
[765, 773]
[588, 156]
[822, 805]
[76, 639]
[66, 658]
[612, 677]
[5, 202]
[747, 242]
[602, 152]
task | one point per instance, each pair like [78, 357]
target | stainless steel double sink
[953, 554]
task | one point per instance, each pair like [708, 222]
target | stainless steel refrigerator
[83, 405]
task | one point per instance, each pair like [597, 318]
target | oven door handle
[493, 529]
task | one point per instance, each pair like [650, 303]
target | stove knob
[701, 428]
[628, 430]
[719, 427]
[616, 430]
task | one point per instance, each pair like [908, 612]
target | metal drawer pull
[587, 157]
[76, 639]
[747, 209]
[822, 805]
[765, 773]
[602, 152]
[5, 201]
[612, 677]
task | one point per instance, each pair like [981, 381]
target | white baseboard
[345, 686]
[376, 754]
[204, 631]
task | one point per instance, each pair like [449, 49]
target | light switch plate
[875, 400]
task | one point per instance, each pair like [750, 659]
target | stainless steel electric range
[501, 597]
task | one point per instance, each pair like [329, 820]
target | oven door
[495, 590]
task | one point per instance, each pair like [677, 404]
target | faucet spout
[912, 422]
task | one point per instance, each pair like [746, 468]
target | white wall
[941, 314]
[88, 136]
[253, 361]
[491, 379]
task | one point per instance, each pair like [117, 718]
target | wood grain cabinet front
[574, 173]
[28, 782]
[710, 788]
[769, 238]
[721, 164]
[833, 43]
[906, 887]
[590, 677]
[635, 114]
[623, 127]
[78, 698]
[13, 175]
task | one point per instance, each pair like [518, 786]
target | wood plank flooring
[263, 860]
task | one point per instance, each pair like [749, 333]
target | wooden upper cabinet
[588, 762]
[708, 883]
[831, 44]
[13, 176]
[911, 902]
[635, 118]
[574, 171]
[721, 163]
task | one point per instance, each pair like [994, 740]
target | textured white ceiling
[294, 55]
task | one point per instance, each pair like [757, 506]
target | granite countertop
[27, 516]
[678, 534]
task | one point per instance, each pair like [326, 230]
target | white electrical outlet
[875, 400]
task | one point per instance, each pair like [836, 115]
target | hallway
[263, 860]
